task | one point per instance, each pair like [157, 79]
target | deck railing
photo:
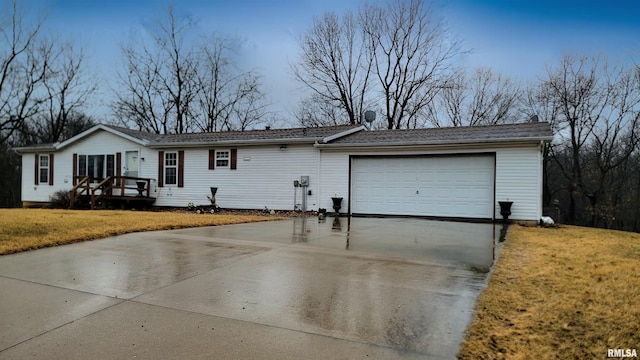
[98, 191]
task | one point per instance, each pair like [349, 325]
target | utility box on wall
[304, 181]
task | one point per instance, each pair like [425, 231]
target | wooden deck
[112, 192]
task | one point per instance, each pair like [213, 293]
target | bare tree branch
[486, 98]
[335, 65]
[412, 56]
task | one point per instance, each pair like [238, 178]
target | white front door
[131, 164]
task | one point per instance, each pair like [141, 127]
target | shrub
[60, 199]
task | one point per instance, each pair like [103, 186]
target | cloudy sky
[517, 38]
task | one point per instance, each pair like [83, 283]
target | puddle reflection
[472, 244]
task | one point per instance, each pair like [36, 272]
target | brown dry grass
[28, 229]
[566, 292]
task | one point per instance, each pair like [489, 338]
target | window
[171, 168]
[222, 158]
[95, 166]
[43, 175]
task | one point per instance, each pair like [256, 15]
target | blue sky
[517, 38]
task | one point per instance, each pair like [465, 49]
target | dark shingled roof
[142, 135]
[310, 135]
[462, 134]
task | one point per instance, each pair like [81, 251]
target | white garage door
[443, 186]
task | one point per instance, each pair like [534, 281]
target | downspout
[318, 191]
[541, 180]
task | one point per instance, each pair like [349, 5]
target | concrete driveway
[343, 288]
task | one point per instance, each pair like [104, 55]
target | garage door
[443, 186]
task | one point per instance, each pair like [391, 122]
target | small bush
[60, 199]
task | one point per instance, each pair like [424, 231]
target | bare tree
[537, 101]
[485, 98]
[176, 84]
[68, 89]
[158, 84]
[43, 81]
[615, 139]
[335, 65]
[228, 98]
[43, 89]
[22, 69]
[395, 57]
[315, 110]
[594, 110]
[251, 107]
[412, 55]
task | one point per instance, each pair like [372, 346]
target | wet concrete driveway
[299, 288]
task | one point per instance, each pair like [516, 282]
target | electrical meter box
[304, 181]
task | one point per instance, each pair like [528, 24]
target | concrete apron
[343, 288]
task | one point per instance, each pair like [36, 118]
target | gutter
[234, 142]
[432, 143]
[34, 149]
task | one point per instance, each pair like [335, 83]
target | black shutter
[234, 159]
[160, 168]
[212, 159]
[50, 169]
[118, 167]
[75, 169]
[37, 170]
[180, 168]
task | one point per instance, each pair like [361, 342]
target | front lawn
[28, 229]
[569, 293]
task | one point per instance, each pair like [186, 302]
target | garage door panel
[456, 186]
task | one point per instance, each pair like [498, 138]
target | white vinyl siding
[334, 179]
[519, 179]
[98, 143]
[264, 177]
[265, 174]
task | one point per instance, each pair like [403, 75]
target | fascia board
[342, 134]
[406, 144]
[188, 144]
[93, 130]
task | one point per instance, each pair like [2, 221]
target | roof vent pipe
[534, 119]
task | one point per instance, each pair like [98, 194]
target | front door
[131, 165]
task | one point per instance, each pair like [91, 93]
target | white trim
[439, 143]
[227, 159]
[342, 134]
[124, 168]
[251, 142]
[86, 133]
[165, 167]
[41, 167]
